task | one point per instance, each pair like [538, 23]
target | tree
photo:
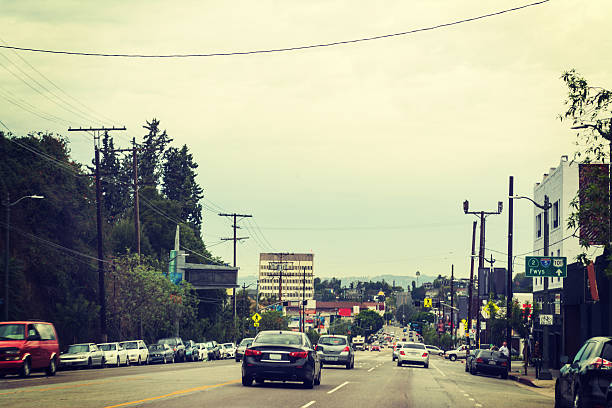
[116, 185]
[150, 160]
[367, 321]
[405, 313]
[589, 109]
[273, 320]
[180, 185]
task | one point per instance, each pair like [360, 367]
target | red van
[28, 346]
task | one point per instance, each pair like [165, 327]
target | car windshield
[279, 338]
[107, 347]
[170, 342]
[156, 347]
[130, 345]
[246, 342]
[332, 341]
[12, 332]
[78, 348]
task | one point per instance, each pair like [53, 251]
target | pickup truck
[359, 343]
[459, 352]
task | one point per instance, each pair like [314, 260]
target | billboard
[593, 195]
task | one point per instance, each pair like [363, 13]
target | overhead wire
[277, 50]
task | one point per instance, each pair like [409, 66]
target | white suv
[138, 353]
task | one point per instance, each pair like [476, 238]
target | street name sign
[546, 266]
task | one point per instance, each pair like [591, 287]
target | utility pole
[470, 314]
[509, 294]
[235, 239]
[452, 288]
[101, 285]
[482, 215]
[136, 201]
[304, 300]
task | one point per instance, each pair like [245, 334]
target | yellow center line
[63, 387]
[179, 392]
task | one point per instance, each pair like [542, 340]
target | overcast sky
[360, 153]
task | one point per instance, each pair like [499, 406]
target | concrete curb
[522, 380]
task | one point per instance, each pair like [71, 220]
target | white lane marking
[440, 371]
[478, 405]
[307, 405]
[471, 399]
[371, 369]
[338, 387]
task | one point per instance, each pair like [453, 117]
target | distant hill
[404, 281]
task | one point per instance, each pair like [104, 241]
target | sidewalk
[517, 373]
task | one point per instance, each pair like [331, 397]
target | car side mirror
[564, 360]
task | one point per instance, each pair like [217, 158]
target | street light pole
[509, 294]
[545, 370]
[8, 206]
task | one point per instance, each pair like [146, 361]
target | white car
[114, 354]
[202, 352]
[414, 353]
[137, 350]
[228, 350]
[434, 350]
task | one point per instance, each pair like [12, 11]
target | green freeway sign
[546, 266]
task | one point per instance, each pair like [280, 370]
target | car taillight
[504, 364]
[479, 360]
[346, 348]
[424, 355]
[599, 364]
[402, 352]
[299, 354]
[252, 352]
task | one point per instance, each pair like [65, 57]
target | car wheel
[139, 361]
[247, 381]
[52, 369]
[466, 367]
[103, 363]
[426, 365]
[259, 380]
[348, 365]
[173, 359]
[89, 363]
[118, 362]
[310, 383]
[399, 363]
[25, 368]
[504, 376]
[237, 360]
[146, 360]
[473, 371]
[127, 361]
[452, 357]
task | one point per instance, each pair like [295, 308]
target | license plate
[492, 362]
[332, 358]
[276, 357]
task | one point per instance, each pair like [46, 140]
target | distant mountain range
[404, 281]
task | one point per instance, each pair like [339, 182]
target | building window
[555, 214]
[538, 225]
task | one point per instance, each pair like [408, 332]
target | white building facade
[561, 185]
[288, 276]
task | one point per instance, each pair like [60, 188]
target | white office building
[290, 276]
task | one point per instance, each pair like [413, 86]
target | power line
[277, 50]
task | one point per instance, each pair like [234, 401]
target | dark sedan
[470, 357]
[160, 353]
[281, 356]
[585, 381]
[489, 362]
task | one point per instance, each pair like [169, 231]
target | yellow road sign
[427, 302]
[256, 324]
[256, 318]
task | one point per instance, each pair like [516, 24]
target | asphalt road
[376, 381]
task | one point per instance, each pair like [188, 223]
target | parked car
[115, 354]
[489, 362]
[27, 346]
[411, 352]
[228, 350]
[246, 342]
[281, 356]
[177, 346]
[202, 351]
[470, 356]
[160, 353]
[395, 351]
[214, 353]
[335, 350]
[84, 355]
[459, 352]
[191, 351]
[375, 347]
[434, 350]
[138, 352]
[585, 381]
